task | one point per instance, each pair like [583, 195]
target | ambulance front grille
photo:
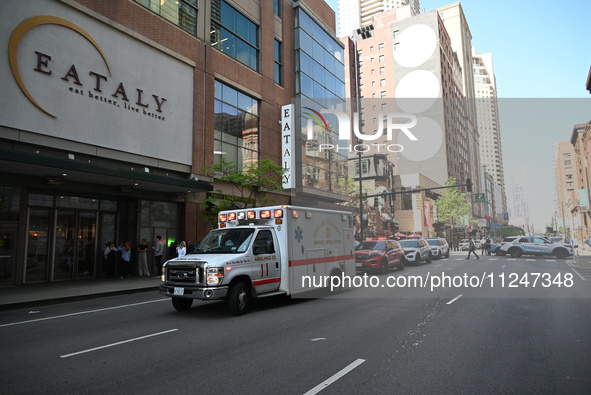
[187, 274]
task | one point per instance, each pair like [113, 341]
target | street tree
[452, 204]
[244, 188]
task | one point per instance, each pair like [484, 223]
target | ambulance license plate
[179, 291]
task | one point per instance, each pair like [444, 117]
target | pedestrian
[125, 262]
[171, 253]
[488, 245]
[181, 250]
[110, 255]
[472, 249]
[159, 250]
[483, 246]
[142, 259]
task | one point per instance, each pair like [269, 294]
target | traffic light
[468, 185]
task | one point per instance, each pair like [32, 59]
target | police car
[534, 245]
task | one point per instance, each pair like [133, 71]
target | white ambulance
[259, 252]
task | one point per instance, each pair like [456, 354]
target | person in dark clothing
[110, 255]
[472, 249]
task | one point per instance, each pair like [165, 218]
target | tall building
[407, 68]
[581, 176]
[455, 22]
[520, 196]
[354, 14]
[567, 190]
[111, 111]
[489, 131]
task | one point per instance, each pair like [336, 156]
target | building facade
[355, 14]
[579, 164]
[567, 190]
[489, 131]
[112, 110]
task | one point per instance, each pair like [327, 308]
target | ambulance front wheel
[238, 298]
[181, 304]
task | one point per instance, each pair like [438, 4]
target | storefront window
[9, 203]
[38, 245]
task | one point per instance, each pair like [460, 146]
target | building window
[567, 162]
[236, 126]
[182, 13]
[278, 63]
[381, 46]
[383, 94]
[381, 59]
[568, 169]
[277, 7]
[382, 70]
[234, 34]
[382, 82]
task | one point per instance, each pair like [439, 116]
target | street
[489, 337]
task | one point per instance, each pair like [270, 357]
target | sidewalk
[27, 295]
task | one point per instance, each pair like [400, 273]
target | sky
[542, 54]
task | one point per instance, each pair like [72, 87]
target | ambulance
[260, 252]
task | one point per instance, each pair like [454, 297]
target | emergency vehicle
[260, 252]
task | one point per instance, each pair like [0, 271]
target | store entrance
[8, 233]
[75, 244]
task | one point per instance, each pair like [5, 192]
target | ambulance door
[266, 269]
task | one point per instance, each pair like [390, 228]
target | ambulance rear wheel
[238, 298]
[181, 304]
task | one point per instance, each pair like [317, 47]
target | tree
[249, 186]
[452, 204]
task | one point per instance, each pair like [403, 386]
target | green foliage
[508, 231]
[250, 185]
[452, 203]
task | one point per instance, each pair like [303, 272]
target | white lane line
[502, 267]
[575, 270]
[454, 299]
[530, 260]
[335, 377]
[80, 313]
[550, 260]
[437, 265]
[511, 259]
[116, 344]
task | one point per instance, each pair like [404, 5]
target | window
[382, 70]
[277, 7]
[234, 34]
[382, 82]
[569, 169]
[381, 59]
[381, 46]
[236, 126]
[182, 13]
[278, 63]
[383, 94]
[567, 162]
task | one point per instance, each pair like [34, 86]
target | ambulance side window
[263, 244]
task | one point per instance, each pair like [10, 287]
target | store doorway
[8, 238]
[75, 244]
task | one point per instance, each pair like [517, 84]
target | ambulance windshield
[225, 241]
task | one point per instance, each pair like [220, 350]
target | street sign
[479, 197]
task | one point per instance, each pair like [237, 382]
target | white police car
[534, 245]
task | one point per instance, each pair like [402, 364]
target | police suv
[534, 245]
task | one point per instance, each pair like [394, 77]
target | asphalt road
[460, 338]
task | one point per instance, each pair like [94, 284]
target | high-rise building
[581, 175]
[567, 190]
[459, 32]
[354, 14]
[489, 132]
[520, 195]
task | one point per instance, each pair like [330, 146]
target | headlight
[215, 275]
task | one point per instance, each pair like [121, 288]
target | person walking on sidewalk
[142, 258]
[472, 249]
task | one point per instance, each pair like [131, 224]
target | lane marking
[550, 260]
[82, 312]
[530, 260]
[575, 270]
[454, 299]
[116, 344]
[318, 339]
[502, 267]
[335, 377]
[437, 265]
